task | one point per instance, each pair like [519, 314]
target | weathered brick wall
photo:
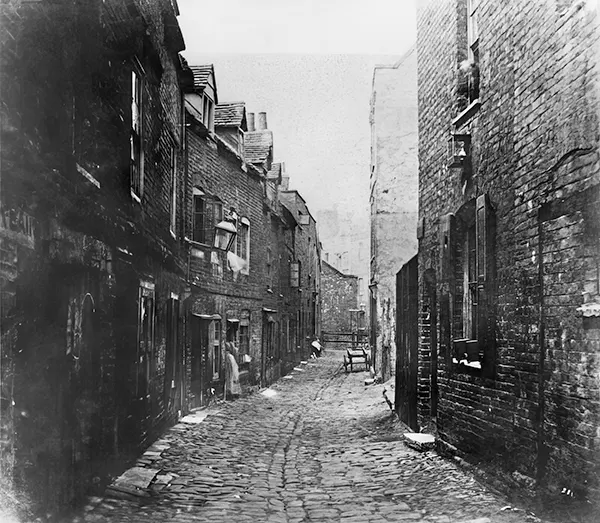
[307, 251]
[339, 294]
[66, 92]
[534, 141]
[218, 171]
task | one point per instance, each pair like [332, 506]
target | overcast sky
[309, 65]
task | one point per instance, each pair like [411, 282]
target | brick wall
[307, 252]
[212, 166]
[533, 143]
[65, 160]
[339, 295]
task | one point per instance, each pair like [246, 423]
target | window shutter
[447, 232]
[485, 229]
[209, 222]
[482, 219]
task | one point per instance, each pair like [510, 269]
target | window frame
[136, 139]
[173, 203]
[146, 336]
[198, 196]
[208, 113]
[214, 335]
[473, 31]
[243, 241]
[212, 213]
[295, 268]
[473, 50]
[468, 268]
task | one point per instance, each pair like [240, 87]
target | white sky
[309, 65]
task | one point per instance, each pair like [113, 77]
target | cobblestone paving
[312, 452]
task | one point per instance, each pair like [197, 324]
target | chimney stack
[250, 121]
[261, 124]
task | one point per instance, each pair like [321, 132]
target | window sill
[467, 363]
[87, 176]
[194, 243]
[135, 197]
[467, 114]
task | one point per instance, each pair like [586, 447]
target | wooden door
[407, 343]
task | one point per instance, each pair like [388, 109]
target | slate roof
[230, 114]
[258, 145]
[201, 75]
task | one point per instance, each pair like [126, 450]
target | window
[468, 270]
[468, 73]
[303, 219]
[232, 334]
[207, 213]
[145, 359]
[473, 50]
[469, 283]
[199, 234]
[136, 137]
[216, 264]
[173, 190]
[208, 113]
[215, 338]
[242, 243]
[269, 336]
[295, 274]
[245, 332]
[473, 31]
[269, 265]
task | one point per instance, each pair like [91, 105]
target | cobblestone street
[307, 453]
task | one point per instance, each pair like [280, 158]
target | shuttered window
[467, 269]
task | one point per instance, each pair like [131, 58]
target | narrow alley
[306, 449]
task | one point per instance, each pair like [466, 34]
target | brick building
[305, 277]
[393, 198]
[120, 171]
[339, 296]
[92, 265]
[226, 285]
[508, 299]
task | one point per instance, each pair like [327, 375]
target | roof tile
[201, 75]
[258, 145]
[231, 114]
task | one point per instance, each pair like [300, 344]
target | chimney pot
[250, 121]
[261, 124]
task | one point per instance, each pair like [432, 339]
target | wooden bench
[357, 356]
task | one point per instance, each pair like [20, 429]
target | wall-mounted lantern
[226, 231]
[459, 146]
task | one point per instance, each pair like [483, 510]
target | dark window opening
[468, 267]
